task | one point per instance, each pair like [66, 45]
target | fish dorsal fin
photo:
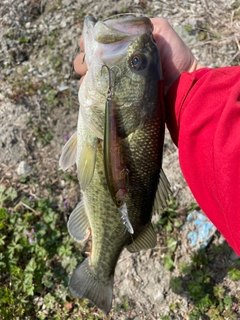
[86, 161]
[69, 153]
[163, 192]
[146, 240]
[78, 224]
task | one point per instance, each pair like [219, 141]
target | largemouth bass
[118, 150]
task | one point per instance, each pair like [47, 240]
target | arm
[203, 116]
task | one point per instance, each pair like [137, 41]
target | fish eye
[139, 62]
[135, 61]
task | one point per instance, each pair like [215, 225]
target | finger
[81, 44]
[81, 80]
[79, 64]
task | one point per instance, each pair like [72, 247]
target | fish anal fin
[83, 284]
[146, 240]
[162, 193]
[86, 162]
[69, 153]
[78, 224]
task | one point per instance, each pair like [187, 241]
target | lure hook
[109, 92]
[125, 219]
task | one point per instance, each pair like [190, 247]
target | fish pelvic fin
[163, 192]
[78, 223]
[83, 284]
[86, 162]
[69, 153]
[145, 240]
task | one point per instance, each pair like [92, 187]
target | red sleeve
[203, 116]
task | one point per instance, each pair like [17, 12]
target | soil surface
[39, 109]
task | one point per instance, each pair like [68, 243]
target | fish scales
[132, 79]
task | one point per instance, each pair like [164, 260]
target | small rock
[52, 27]
[62, 88]
[8, 72]
[67, 2]
[23, 168]
[63, 24]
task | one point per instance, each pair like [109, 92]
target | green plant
[168, 257]
[234, 274]
[235, 4]
[24, 38]
[208, 297]
[169, 216]
[6, 194]
[51, 98]
[169, 224]
[124, 305]
[36, 259]
[40, 130]
[176, 285]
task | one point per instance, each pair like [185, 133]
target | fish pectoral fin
[78, 223]
[163, 192]
[146, 240]
[86, 162]
[69, 153]
[84, 284]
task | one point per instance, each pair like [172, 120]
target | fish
[118, 150]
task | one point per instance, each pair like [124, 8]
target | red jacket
[203, 116]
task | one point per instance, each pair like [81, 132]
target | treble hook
[109, 92]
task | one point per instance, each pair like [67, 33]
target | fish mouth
[89, 22]
[118, 27]
[119, 31]
[126, 19]
[123, 21]
[124, 15]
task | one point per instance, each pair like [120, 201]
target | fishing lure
[115, 171]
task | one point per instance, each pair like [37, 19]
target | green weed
[166, 318]
[209, 298]
[51, 98]
[234, 274]
[235, 4]
[124, 305]
[197, 278]
[169, 223]
[36, 258]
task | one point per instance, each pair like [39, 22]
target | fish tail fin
[83, 284]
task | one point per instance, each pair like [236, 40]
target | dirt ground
[39, 108]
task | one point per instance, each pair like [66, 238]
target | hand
[79, 65]
[176, 57]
